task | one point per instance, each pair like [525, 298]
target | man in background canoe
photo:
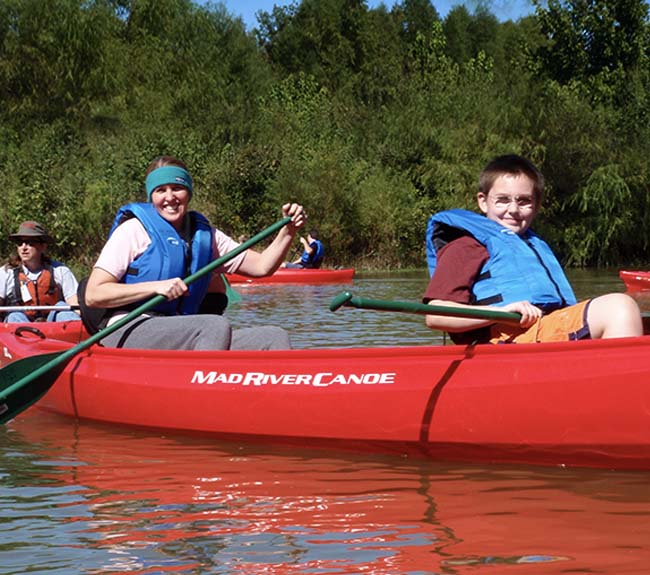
[312, 255]
[150, 247]
[31, 278]
[497, 262]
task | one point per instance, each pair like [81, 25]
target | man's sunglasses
[28, 241]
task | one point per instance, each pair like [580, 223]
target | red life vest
[44, 291]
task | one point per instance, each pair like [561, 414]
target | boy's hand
[529, 313]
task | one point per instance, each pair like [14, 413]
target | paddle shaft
[348, 300]
[8, 308]
[153, 302]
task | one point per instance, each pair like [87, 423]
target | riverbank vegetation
[372, 118]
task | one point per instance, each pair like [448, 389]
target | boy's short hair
[511, 164]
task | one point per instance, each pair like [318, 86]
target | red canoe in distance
[635, 280]
[297, 276]
[638, 282]
[578, 403]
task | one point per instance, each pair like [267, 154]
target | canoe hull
[581, 403]
[297, 276]
[635, 280]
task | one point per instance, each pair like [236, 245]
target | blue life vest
[167, 256]
[519, 267]
[314, 259]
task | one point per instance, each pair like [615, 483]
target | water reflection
[304, 311]
[84, 498]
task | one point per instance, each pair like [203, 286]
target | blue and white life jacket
[168, 255]
[314, 259]
[519, 267]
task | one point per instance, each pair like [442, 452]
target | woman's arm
[105, 290]
[258, 264]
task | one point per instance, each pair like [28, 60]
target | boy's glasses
[522, 202]
[28, 241]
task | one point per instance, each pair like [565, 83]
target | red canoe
[584, 403]
[298, 276]
[635, 281]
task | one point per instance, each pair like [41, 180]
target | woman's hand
[171, 289]
[297, 214]
[262, 264]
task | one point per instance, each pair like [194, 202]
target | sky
[502, 9]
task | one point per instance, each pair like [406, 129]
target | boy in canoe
[312, 254]
[151, 247]
[495, 262]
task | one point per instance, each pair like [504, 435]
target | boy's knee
[621, 303]
[615, 315]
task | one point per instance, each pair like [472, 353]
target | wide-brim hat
[32, 229]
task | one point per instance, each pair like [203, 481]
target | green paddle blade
[232, 294]
[13, 401]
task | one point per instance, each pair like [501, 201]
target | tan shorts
[566, 324]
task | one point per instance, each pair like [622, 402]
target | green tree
[53, 66]
[457, 26]
[322, 38]
[415, 17]
[380, 72]
[590, 37]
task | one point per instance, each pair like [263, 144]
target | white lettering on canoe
[321, 379]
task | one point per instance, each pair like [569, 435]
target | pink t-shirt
[130, 240]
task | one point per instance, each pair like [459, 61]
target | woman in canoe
[151, 246]
[32, 278]
[498, 261]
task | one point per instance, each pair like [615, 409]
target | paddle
[41, 371]
[7, 308]
[347, 299]
[232, 294]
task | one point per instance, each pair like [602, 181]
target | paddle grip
[342, 299]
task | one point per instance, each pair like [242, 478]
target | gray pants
[199, 332]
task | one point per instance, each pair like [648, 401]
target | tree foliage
[371, 117]
[588, 38]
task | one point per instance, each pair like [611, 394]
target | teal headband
[167, 175]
